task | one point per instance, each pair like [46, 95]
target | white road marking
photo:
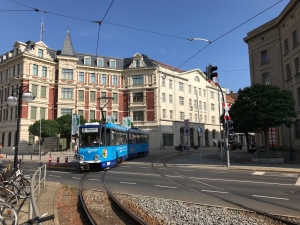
[76, 178]
[216, 172]
[240, 181]
[259, 196]
[222, 192]
[298, 182]
[126, 183]
[187, 170]
[135, 173]
[54, 176]
[258, 173]
[164, 186]
[173, 176]
[95, 179]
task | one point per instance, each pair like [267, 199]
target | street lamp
[199, 39]
[13, 101]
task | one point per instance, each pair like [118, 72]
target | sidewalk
[46, 202]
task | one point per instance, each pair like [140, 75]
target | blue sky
[182, 19]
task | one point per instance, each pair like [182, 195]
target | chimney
[231, 92]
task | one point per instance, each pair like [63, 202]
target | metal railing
[38, 179]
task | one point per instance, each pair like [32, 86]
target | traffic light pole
[225, 130]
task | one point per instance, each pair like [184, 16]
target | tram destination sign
[89, 130]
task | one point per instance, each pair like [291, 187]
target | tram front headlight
[96, 157]
[81, 157]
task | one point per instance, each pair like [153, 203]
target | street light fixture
[13, 101]
[199, 39]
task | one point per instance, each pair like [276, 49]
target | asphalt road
[266, 191]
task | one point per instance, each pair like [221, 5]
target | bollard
[57, 162]
[50, 159]
[66, 162]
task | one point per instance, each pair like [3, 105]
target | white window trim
[112, 60]
[101, 60]
[87, 57]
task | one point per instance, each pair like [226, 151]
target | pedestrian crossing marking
[258, 173]
[298, 182]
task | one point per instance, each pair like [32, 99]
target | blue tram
[102, 146]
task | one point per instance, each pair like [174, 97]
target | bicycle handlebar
[40, 219]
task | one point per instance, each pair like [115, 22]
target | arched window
[196, 79]
[9, 140]
[3, 138]
[214, 134]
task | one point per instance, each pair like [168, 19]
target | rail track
[283, 219]
[131, 215]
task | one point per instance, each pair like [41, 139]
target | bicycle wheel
[3, 193]
[22, 186]
[8, 214]
[12, 195]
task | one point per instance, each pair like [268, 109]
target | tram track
[130, 217]
[281, 218]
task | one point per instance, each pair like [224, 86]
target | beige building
[274, 53]
[156, 96]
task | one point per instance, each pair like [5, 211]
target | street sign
[75, 123]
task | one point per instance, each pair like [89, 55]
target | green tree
[65, 123]
[49, 128]
[262, 107]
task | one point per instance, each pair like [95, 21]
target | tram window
[133, 138]
[138, 138]
[113, 137]
[107, 137]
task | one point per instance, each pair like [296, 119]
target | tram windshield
[90, 137]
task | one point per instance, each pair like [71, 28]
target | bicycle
[38, 220]
[8, 214]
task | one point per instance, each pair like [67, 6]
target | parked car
[233, 145]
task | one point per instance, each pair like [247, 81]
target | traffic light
[210, 72]
[231, 129]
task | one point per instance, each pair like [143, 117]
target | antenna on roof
[42, 28]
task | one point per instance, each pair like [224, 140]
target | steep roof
[68, 46]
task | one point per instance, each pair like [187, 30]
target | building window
[81, 77]
[34, 70]
[137, 63]
[104, 115]
[14, 71]
[191, 117]
[170, 84]
[92, 96]
[196, 119]
[199, 91]
[138, 97]
[115, 80]
[11, 113]
[180, 86]
[196, 79]
[264, 57]
[298, 91]
[18, 69]
[112, 63]
[92, 115]
[100, 62]
[212, 107]
[163, 81]
[115, 96]
[204, 105]
[103, 97]
[195, 91]
[286, 46]
[288, 71]
[115, 114]
[170, 99]
[80, 95]
[195, 104]
[164, 113]
[205, 119]
[163, 97]
[190, 89]
[33, 112]
[181, 115]
[211, 95]
[181, 100]
[103, 79]
[87, 61]
[31, 139]
[171, 114]
[9, 140]
[80, 112]
[41, 53]
[138, 116]
[43, 91]
[297, 66]
[44, 71]
[34, 89]
[297, 128]
[3, 139]
[266, 79]
[190, 103]
[204, 93]
[67, 93]
[42, 113]
[67, 74]
[92, 78]
[213, 120]
[295, 38]
[137, 79]
[65, 111]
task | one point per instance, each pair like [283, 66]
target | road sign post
[187, 131]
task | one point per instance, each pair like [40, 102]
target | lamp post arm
[101, 108]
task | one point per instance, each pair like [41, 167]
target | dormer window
[137, 63]
[112, 63]
[17, 51]
[41, 53]
[99, 62]
[197, 79]
[87, 60]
